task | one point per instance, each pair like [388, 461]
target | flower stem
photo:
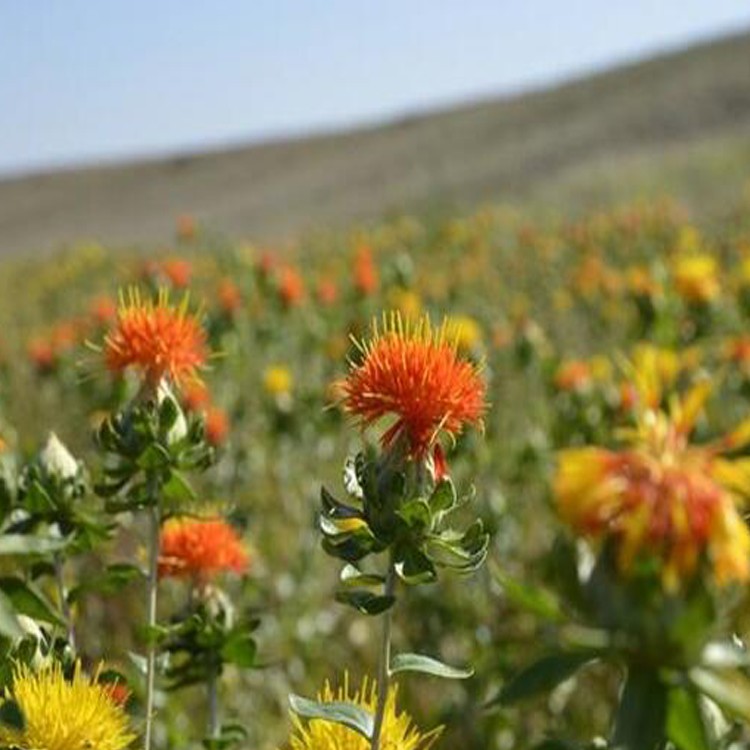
[62, 594]
[212, 688]
[153, 569]
[384, 661]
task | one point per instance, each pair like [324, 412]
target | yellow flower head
[407, 302]
[467, 332]
[277, 380]
[662, 497]
[696, 278]
[398, 732]
[65, 715]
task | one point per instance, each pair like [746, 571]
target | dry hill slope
[693, 102]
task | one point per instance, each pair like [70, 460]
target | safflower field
[476, 481]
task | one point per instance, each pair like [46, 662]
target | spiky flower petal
[413, 372]
[65, 715]
[398, 733]
[156, 338]
[200, 549]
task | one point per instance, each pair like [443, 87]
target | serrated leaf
[413, 567]
[347, 714]
[428, 665]
[443, 497]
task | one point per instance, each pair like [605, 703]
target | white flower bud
[57, 459]
[180, 427]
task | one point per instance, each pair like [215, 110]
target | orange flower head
[573, 376]
[43, 355]
[291, 286]
[186, 227]
[195, 396]
[178, 271]
[327, 292]
[200, 549]
[103, 310]
[662, 497]
[412, 371]
[156, 338]
[230, 297]
[365, 273]
[217, 426]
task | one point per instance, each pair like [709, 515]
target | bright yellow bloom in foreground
[63, 715]
[662, 497]
[398, 733]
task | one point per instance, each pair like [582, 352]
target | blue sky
[86, 80]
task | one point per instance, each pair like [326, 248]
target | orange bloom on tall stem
[412, 371]
[200, 549]
[156, 338]
[365, 273]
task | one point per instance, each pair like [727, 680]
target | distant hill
[679, 122]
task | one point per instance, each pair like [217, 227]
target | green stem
[384, 661]
[212, 688]
[153, 572]
[62, 594]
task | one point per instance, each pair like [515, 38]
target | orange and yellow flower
[157, 339]
[413, 372]
[662, 497]
[200, 549]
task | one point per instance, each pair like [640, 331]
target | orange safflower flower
[366, 278]
[662, 497]
[230, 298]
[216, 425]
[574, 375]
[178, 271]
[156, 338]
[186, 227]
[413, 372]
[103, 310]
[291, 286]
[200, 549]
[195, 396]
[43, 355]
[327, 292]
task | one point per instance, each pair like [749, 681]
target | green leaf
[544, 675]
[365, 601]
[640, 723]
[11, 716]
[9, 625]
[413, 567]
[685, 726]
[729, 688]
[240, 649]
[23, 544]
[114, 578]
[28, 600]
[428, 665]
[443, 497]
[349, 715]
[416, 514]
[353, 576]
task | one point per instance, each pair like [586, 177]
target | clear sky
[85, 80]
